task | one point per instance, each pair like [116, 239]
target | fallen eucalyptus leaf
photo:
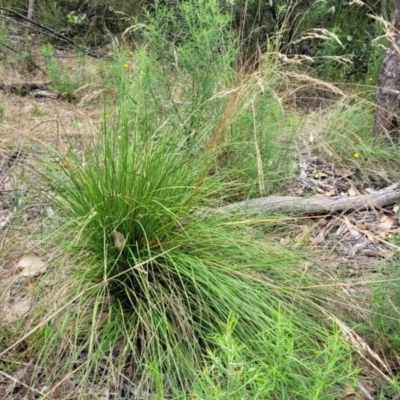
[386, 253]
[119, 239]
[17, 310]
[386, 222]
[31, 265]
[319, 175]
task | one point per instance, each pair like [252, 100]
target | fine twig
[36, 26]
[41, 26]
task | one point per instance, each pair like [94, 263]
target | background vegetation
[150, 290]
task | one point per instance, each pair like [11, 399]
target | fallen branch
[45, 93]
[317, 205]
[38, 89]
[21, 87]
[45, 30]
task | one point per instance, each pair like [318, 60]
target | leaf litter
[353, 235]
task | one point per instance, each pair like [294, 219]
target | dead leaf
[305, 232]
[313, 241]
[342, 230]
[119, 239]
[383, 175]
[350, 226]
[396, 209]
[353, 272]
[352, 192]
[330, 193]
[343, 171]
[319, 175]
[17, 310]
[382, 235]
[31, 265]
[348, 391]
[151, 243]
[300, 191]
[371, 237]
[386, 222]
[360, 225]
[285, 241]
[386, 253]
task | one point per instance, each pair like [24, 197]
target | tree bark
[31, 6]
[388, 89]
[316, 205]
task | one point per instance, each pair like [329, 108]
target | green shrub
[64, 81]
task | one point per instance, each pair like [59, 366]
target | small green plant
[385, 315]
[76, 18]
[231, 372]
[2, 110]
[37, 111]
[62, 79]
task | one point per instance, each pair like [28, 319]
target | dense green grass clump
[168, 297]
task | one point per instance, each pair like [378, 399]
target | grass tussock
[157, 294]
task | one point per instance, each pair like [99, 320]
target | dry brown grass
[46, 119]
[28, 125]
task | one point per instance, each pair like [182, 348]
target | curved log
[317, 205]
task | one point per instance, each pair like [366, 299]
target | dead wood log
[39, 89]
[317, 205]
[45, 94]
[20, 86]
[31, 6]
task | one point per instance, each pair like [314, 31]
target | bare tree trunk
[387, 92]
[31, 6]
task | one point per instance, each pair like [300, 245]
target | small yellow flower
[356, 155]
[370, 79]
[106, 116]
[131, 53]
[126, 65]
